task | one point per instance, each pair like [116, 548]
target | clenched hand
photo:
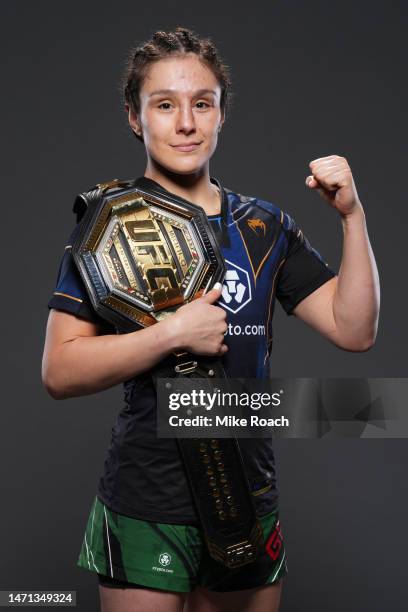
[200, 325]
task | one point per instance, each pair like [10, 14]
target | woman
[143, 537]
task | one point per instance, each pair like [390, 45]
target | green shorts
[128, 552]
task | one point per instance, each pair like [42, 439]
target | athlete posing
[143, 538]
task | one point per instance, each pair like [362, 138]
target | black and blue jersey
[268, 258]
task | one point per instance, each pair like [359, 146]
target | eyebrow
[199, 92]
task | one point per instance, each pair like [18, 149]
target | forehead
[183, 74]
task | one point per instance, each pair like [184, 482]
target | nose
[185, 120]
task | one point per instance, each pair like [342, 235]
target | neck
[196, 187]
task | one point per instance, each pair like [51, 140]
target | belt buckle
[186, 367]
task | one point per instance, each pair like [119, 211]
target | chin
[187, 166]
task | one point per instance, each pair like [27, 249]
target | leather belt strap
[217, 477]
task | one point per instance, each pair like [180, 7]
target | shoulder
[248, 205]
[85, 198]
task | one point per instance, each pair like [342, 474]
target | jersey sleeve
[70, 294]
[303, 269]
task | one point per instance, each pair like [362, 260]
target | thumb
[213, 295]
[314, 184]
[311, 181]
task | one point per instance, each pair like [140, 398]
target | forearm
[88, 364]
[356, 300]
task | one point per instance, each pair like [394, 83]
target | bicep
[64, 327]
[317, 310]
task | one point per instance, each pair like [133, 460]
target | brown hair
[163, 45]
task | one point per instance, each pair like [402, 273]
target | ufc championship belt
[142, 254]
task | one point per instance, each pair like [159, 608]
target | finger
[332, 180]
[213, 295]
[222, 313]
[312, 182]
[335, 163]
[330, 166]
[323, 159]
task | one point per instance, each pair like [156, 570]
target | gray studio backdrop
[311, 79]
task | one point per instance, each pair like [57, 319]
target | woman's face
[180, 114]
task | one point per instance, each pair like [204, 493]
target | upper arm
[317, 310]
[63, 327]
[306, 284]
[71, 310]
[71, 313]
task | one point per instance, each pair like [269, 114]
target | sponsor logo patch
[274, 543]
[236, 290]
[165, 560]
[257, 226]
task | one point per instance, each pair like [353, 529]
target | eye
[206, 105]
[165, 104]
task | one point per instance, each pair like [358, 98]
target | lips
[191, 146]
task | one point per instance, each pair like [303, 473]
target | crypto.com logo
[165, 559]
[236, 290]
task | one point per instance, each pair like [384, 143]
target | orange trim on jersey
[268, 341]
[249, 257]
[71, 297]
[260, 491]
[255, 274]
[262, 262]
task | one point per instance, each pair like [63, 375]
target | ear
[221, 121]
[133, 120]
